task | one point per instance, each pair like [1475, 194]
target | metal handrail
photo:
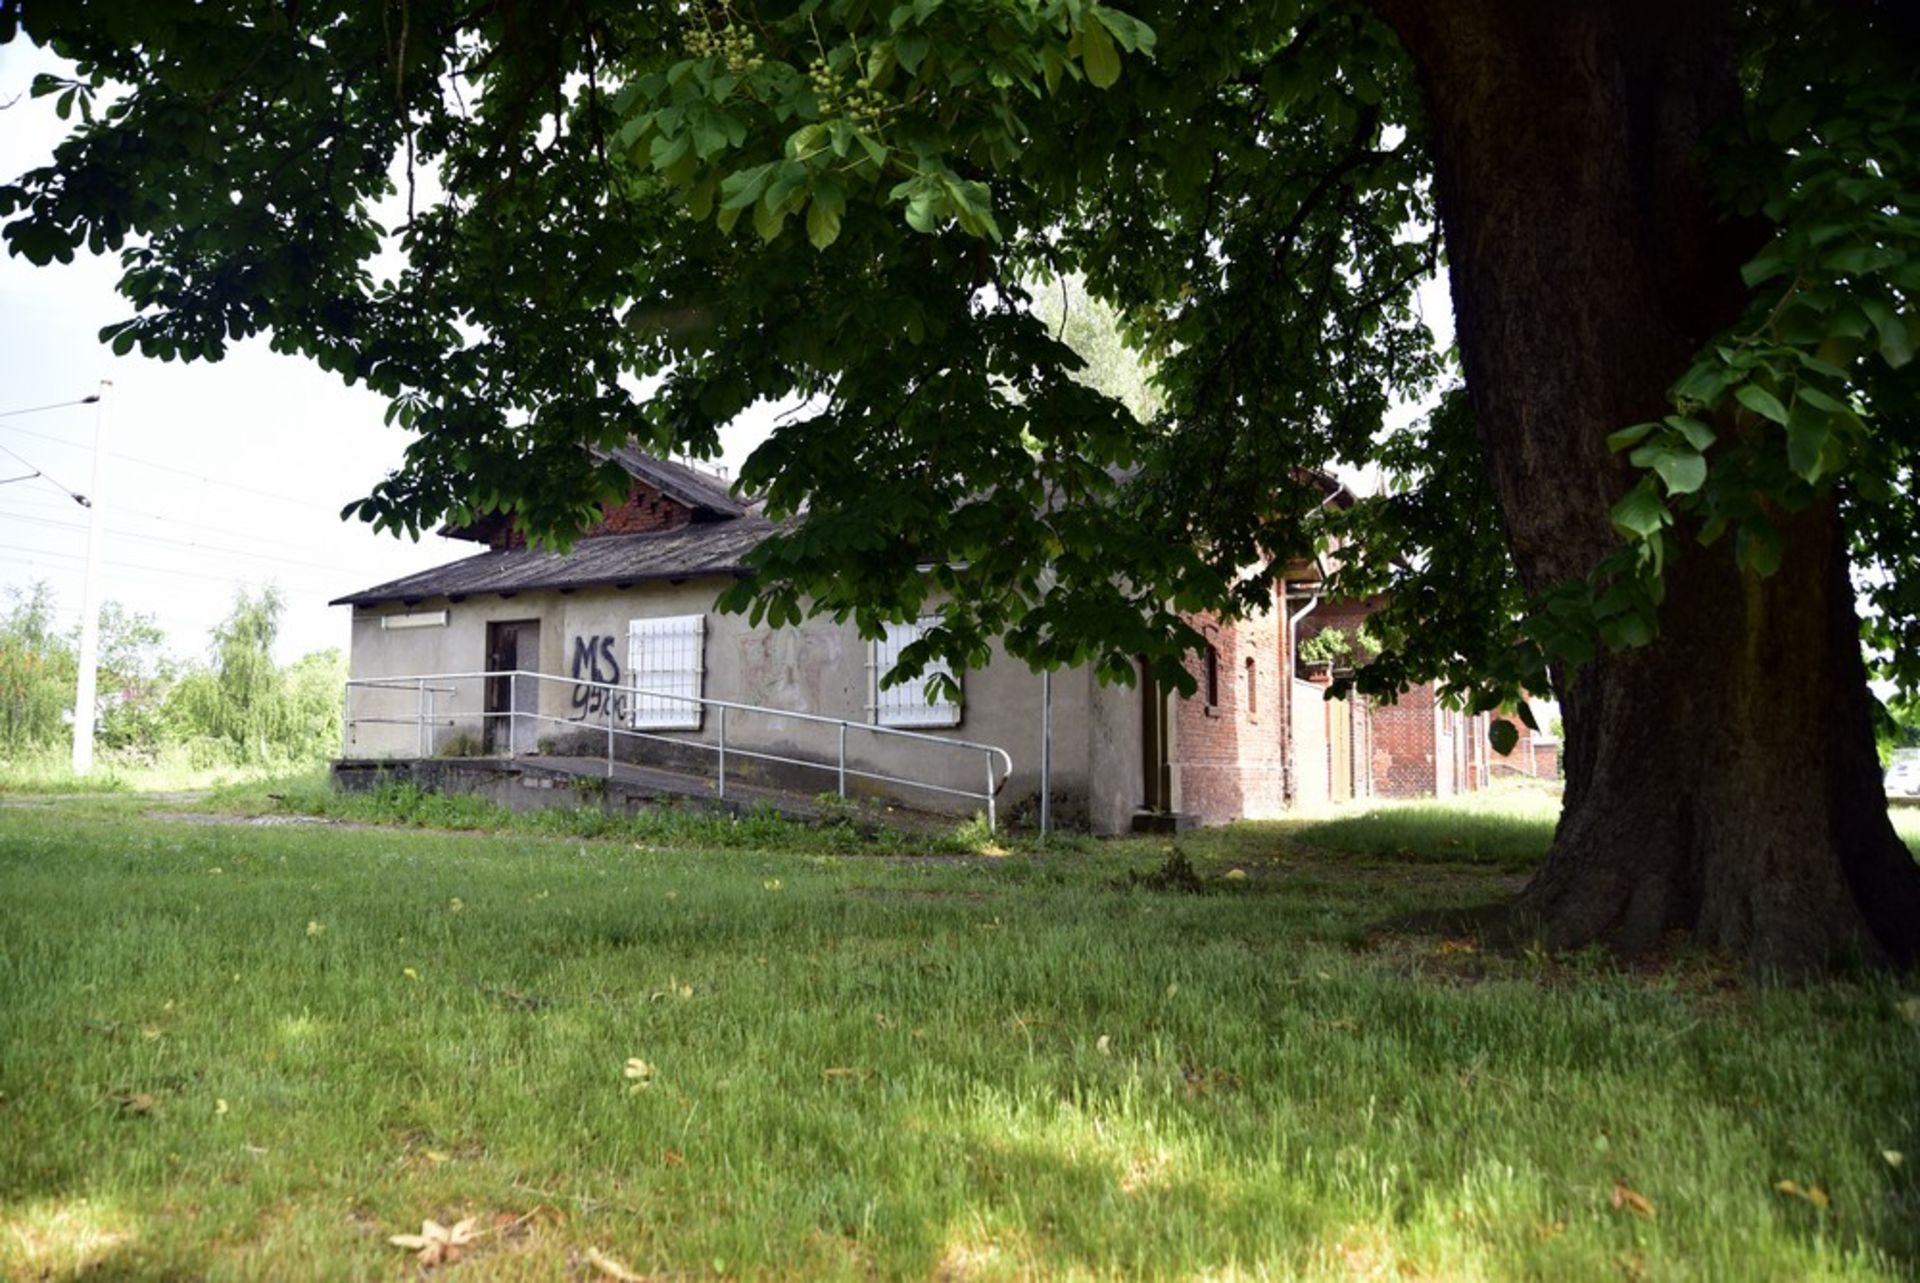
[425, 717]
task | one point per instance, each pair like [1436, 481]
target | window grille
[908, 703]
[667, 657]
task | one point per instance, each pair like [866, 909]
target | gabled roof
[707, 496]
[702, 549]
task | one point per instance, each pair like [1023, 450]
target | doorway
[1156, 772]
[512, 702]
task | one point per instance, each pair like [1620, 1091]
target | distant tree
[314, 684]
[37, 669]
[1092, 328]
[240, 707]
[238, 700]
[135, 673]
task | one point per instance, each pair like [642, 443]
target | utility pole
[86, 688]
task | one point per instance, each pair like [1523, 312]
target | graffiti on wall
[593, 662]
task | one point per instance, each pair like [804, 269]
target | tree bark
[1723, 781]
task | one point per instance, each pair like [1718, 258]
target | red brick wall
[1540, 760]
[1403, 745]
[646, 510]
[1227, 761]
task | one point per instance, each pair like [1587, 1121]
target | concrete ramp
[537, 783]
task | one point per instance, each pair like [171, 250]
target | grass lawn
[690, 1049]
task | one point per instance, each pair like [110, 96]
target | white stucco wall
[816, 667]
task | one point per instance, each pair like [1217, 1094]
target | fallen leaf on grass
[1447, 947]
[136, 1102]
[1811, 1193]
[1626, 1198]
[219, 1108]
[1235, 875]
[314, 929]
[610, 1268]
[436, 1244]
[673, 1158]
[640, 1073]
[847, 1071]
[1893, 1156]
[1104, 1045]
[409, 973]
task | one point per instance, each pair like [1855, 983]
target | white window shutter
[667, 657]
[907, 704]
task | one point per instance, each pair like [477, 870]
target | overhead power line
[158, 466]
[274, 558]
[41, 472]
[56, 405]
[156, 570]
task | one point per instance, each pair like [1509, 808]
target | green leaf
[1814, 396]
[1896, 341]
[1861, 260]
[1808, 428]
[1698, 434]
[743, 188]
[1097, 53]
[823, 215]
[1625, 437]
[1764, 268]
[1504, 736]
[911, 50]
[1758, 547]
[1632, 629]
[1761, 402]
[768, 219]
[1684, 471]
[1641, 513]
[925, 210]
[1704, 384]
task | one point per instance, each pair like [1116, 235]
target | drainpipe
[1047, 581]
[1046, 753]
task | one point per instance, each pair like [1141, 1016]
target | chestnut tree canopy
[1674, 444]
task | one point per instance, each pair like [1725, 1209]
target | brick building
[606, 637]
[1535, 755]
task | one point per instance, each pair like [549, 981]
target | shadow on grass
[1513, 842]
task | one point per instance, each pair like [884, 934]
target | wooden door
[1340, 748]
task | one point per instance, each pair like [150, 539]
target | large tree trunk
[1722, 781]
